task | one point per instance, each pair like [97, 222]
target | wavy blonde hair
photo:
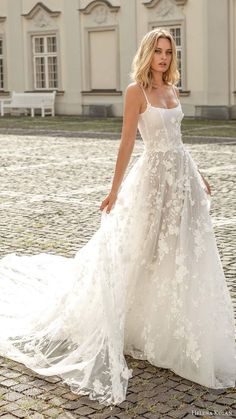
[141, 66]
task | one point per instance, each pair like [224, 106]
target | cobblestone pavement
[51, 189]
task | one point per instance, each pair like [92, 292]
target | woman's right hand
[207, 186]
[108, 202]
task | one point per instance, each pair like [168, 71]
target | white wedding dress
[149, 283]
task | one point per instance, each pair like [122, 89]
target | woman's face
[162, 56]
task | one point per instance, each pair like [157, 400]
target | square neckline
[158, 107]
[149, 105]
[161, 107]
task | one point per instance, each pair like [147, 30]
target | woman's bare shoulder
[134, 90]
[134, 97]
[173, 87]
[176, 89]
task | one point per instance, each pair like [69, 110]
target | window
[177, 35]
[176, 32]
[103, 60]
[45, 62]
[1, 66]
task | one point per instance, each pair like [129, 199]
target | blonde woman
[149, 283]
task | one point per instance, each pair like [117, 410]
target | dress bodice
[160, 128]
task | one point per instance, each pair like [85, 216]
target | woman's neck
[157, 80]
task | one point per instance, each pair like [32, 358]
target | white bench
[44, 101]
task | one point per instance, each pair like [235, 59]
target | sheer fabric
[149, 283]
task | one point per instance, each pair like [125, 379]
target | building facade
[83, 49]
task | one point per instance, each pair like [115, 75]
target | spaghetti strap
[145, 95]
[175, 92]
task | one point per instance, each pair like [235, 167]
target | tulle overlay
[149, 283]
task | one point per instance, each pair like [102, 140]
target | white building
[84, 50]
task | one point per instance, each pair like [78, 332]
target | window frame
[87, 53]
[45, 54]
[179, 49]
[174, 25]
[2, 75]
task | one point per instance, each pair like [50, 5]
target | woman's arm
[206, 183]
[132, 105]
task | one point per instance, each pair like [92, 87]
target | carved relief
[100, 14]
[42, 21]
[165, 10]
[40, 7]
[95, 3]
[180, 2]
[41, 17]
[153, 3]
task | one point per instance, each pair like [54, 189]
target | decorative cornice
[181, 2]
[184, 92]
[40, 6]
[101, 92]
[152, 3]
[58, 92]
[2, 19]
[89, 8]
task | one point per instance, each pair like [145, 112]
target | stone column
[15, 46]
[216, 61]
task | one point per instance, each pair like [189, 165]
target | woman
[149, 283]
[155, 71]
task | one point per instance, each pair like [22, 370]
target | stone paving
[51, 189]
